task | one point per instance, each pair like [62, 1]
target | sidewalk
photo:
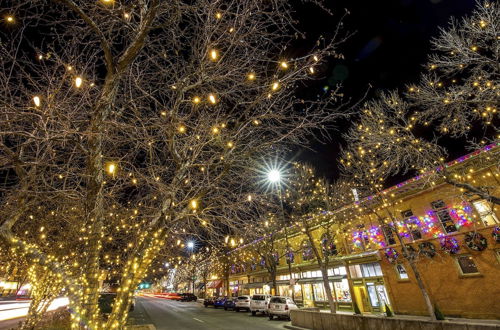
[418, 317]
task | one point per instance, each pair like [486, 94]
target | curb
[140, 327]
[292, 327]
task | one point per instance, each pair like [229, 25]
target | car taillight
[286, 307]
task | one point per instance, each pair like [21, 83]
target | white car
[280, 306]
[242, 302]
[258, 303]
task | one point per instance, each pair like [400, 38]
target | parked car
[280, 306]
[242, 302]
[230, 304]
[258, 303]
[219, 302]
[209, 301]
[188, 297]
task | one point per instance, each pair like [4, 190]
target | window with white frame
[485, 212]
[401, 270]
[467, 265]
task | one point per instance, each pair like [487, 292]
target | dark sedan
[188, 297]
[230, 304]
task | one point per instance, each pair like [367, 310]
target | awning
[320, 279]
[214, 284]
[253, 285]
[280, 282]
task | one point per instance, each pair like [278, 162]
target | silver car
[258, 303]
[242, 302]
[280, 306]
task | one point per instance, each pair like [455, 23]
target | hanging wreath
[427, 249]
[391, 255]
[475, 241]
[496, 234]
[450, 245]
[412, 253]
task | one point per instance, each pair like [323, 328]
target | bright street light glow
[190, 245]
[274, 176]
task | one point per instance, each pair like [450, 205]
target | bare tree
[311, 201]
[461, 87]
[141, 121]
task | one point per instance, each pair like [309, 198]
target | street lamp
[190, 245]
[274, 176]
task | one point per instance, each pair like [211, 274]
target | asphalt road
[174, 315]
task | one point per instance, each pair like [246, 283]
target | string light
[78, 82]
[196, 100]
[193, 204]
[275, 86]
[284, 65]
[251, 76]
[36, 100]
[111, 168]
[212, 99]
[214, 55]
[181, 129]
[9, 18]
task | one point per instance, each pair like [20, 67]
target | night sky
[388, 50]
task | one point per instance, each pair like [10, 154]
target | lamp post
[274, 176]
[190, 246]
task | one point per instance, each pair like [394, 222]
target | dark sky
[388, 49]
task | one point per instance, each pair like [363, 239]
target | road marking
[194, 318]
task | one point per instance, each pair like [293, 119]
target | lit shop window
[402, 274]
[467, 265]
[485, 212]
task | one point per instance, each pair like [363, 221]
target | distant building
[454, 235]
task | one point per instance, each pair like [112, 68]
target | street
[174, 315]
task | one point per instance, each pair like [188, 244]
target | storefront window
[297, 292]
[484, 209]
[342, 291]
[402, 274]
[306, 290]
[372, 293]
[319, 292]
[467, 264]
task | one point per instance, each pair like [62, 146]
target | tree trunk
[326, 283]
[475, 190]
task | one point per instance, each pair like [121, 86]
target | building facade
[453, 236]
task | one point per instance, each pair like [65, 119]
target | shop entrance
[361, 298]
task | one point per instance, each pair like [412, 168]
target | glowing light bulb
[230, 144]
[111, 168]
[311, 69]
[275, 86]
[251, 76]
[218, 15]
[181, 129]
[284, 65]
[9, 19]
[215, 130]
[193, 204]
[214, 55]
[37, 101]
[212, 99]
[78, 82]
[196, 100]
